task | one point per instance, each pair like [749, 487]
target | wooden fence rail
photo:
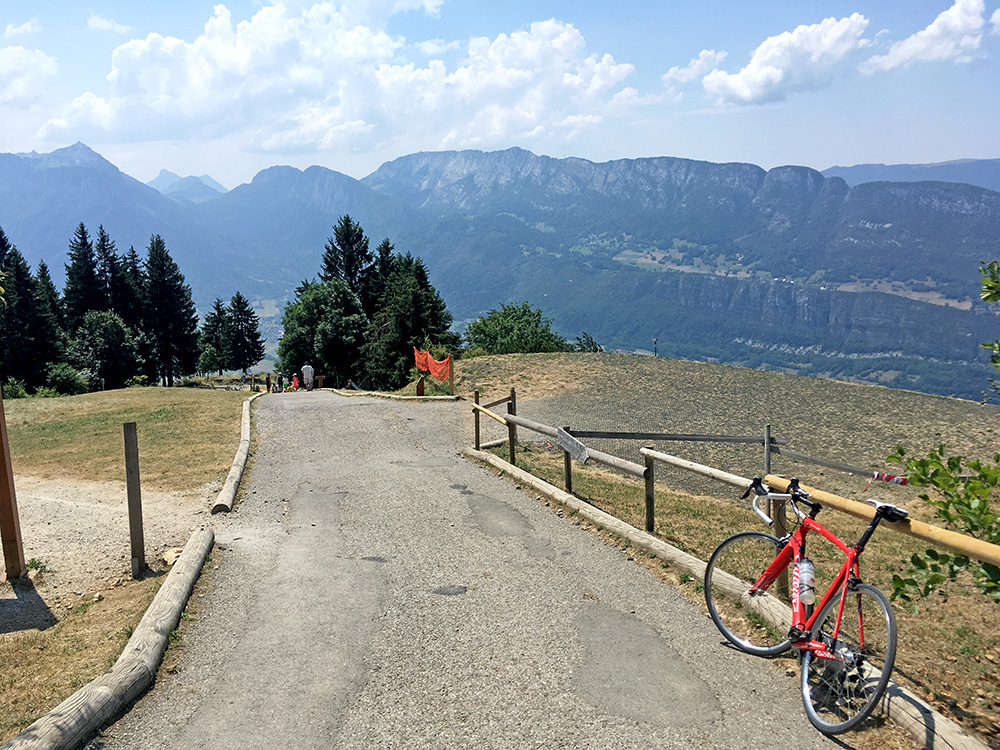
[667, 436]
[951, 540]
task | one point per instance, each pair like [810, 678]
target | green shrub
[14, 388]
[46, 392]
[66, 379]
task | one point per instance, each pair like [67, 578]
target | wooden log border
[932, 729]
[79, 717]
[227, 495]
[391, 396]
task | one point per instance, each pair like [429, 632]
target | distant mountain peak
[77, 155]
[170, 183]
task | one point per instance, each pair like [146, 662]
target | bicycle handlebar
[796, 495]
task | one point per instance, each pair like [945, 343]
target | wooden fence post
[10, 524]
[134, 500]
[776, 510]
[475, 412]
[568, 467]
[650, 494]
[451, 377]
[512, 429]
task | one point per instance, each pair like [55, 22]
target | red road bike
[846, 639]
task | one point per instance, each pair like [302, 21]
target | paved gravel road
[375, 589]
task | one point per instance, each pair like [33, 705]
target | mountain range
[783, 268]
[980, 172]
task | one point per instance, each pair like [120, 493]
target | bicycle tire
[732, 569]
[839, 694]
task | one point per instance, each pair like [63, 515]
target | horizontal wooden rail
[723, 476]
[952, 540]
[600, 457]
[665, 436]
[487, 412]
[836, 465]
[499, 401]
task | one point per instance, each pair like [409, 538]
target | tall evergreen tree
[129, 290]
[170, 317]
[108, 267]
[49, 303]
[23, 350]
[377, 277]
[346, 256]
[411, 313]
[215, 339]
[82, 291]
[51, 334]
[246, 345]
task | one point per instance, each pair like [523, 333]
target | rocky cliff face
[789, 221]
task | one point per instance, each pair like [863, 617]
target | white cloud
[23, 73]
[31, 26]
[706, 61]
[801, 60]
[954, 35]
[100, 23]
[435, 47]
[995, 22]
[529, 84]
[300, 78]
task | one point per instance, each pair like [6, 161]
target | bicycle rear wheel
[748, 622]
[840, 693]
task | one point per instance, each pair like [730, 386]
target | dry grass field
[949, 644]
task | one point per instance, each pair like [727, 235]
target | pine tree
[346, 255]
[108, 268]
[169, 314]
[215, 339]
[51, 334]
[82, 291]
[410, 314]
[23, 349]
[246, 346]
[129, 292]
[377, 277]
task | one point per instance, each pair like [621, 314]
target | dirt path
[79, 533]
[375, 589]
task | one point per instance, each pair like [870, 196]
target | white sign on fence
[571, 445]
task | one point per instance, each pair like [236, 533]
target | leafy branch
[962, 502]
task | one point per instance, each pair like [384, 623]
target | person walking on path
[307, 376]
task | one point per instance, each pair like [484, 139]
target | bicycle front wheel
[754, 624]
[840, 692]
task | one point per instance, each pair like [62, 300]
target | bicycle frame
[792, 553]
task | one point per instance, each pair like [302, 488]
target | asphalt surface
[375, 589]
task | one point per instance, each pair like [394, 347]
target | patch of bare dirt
[66, 623]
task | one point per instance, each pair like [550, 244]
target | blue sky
[232, 88]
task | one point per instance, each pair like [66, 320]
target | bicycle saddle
[890, 512]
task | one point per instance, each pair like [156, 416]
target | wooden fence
[951, 540]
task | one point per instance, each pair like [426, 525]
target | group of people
[308, 376]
